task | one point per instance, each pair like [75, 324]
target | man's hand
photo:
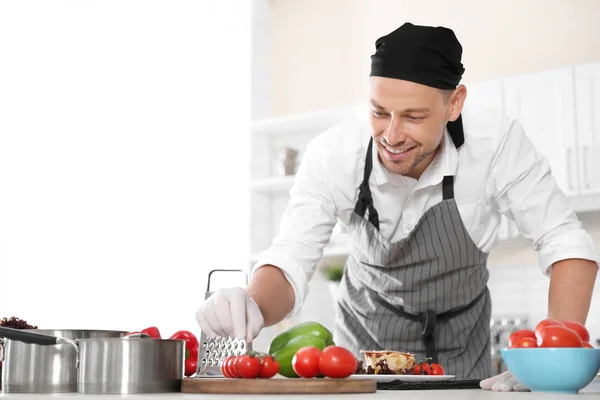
[505, 382]
[230, 313]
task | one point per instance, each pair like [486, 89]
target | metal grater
[213, 351]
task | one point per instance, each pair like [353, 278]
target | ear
[457, 101]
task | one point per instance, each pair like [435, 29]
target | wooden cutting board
[277, 385]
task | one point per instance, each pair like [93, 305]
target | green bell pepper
[285, 345]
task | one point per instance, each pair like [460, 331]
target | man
[421, 191]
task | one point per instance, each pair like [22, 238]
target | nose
[394, 134]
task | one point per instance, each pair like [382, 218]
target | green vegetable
[285, 355]
[334, 273]
[304, 329]
[285, 345]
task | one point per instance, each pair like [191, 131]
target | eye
[378, 114]
[412, 118]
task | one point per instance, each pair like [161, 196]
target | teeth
[396, 151]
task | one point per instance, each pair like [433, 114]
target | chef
[420, 189]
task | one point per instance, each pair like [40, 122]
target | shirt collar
[446, 163]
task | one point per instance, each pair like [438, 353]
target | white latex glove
[230, 313]
[505, 382]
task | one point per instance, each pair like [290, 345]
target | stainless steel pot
[104, 365]
[32, 368]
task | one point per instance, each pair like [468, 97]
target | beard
[405, 167]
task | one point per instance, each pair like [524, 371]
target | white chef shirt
[497, 171]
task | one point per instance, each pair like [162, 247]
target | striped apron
[426, 294]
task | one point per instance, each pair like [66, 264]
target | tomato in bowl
[556, 357]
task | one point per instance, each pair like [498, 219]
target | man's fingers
[254, 318]
[213, 321]
[203, 323]
[237, 306]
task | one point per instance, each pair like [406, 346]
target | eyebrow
[407, 110]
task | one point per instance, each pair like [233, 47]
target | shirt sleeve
[526, 192]
[306, 226]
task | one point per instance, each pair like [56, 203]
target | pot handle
[30, 337]
[24, 336]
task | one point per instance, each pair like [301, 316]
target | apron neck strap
[457, 134]
[365, 199]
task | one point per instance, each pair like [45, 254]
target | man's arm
[280, 278]
[526, 192]
[571, 286]
[272, 293]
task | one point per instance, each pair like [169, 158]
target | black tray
[403, 385]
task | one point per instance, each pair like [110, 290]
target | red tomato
[226, 367]
[422, 369]
[248, 366]
[587, 345]
[524, 342]
[580, 329]
[232, 367]
[558, 336]
[436, 369]
[223, 367]
[520, 334]
[306, 362]
[268, 367]
[337, 362]
[544, 323]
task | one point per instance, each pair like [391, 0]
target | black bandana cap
[427, 55]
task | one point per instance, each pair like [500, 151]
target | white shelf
[585, 202]
[273, 185]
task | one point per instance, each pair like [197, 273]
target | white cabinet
[270, 188]
[587, 101]
[544, 105]
[488, 93]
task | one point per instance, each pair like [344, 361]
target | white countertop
[472, 394]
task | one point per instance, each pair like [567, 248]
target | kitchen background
[537, 60]
[129, 168]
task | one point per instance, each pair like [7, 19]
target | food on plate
[551, 333]
[16, 323]
[248, 366]
[191, 350]
[284, 346]
[387, 362]
[436, 369]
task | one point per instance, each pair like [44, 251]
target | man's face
[408, 121]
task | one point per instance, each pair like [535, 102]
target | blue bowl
[553, 370]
